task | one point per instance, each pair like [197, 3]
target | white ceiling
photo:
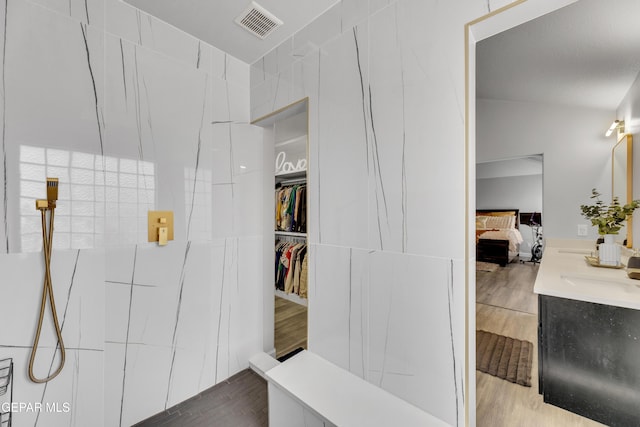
[212, 21]
[586, 54]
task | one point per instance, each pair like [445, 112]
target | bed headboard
[488, 211]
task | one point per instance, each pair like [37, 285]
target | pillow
[504, 213]
[481, 222]
[503, 222]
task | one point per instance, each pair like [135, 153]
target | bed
[498, 235]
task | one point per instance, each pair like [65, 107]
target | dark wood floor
[240, 401]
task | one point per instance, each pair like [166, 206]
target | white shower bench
[307, 390]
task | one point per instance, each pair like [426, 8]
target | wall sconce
[617, 124]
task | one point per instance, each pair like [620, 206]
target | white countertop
[564, 272]
[343, 398]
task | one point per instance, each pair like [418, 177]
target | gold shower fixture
[44, 206]
[160, 228]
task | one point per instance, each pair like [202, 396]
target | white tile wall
[121, 107]
[386, 86]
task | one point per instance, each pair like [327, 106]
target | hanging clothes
[300, 255]
[291, 208]
[290, 216]
[289, 260]
[303, 279]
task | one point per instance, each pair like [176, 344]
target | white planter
[609, 252]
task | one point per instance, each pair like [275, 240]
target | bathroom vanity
[588, 336]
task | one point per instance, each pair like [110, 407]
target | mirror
[621, 177]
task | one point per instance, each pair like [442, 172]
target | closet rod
[292, 239]
[293, 181]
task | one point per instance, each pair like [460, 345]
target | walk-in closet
[288, 130]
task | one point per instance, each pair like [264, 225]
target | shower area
[130, 115]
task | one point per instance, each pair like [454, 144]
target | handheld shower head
[47, 206]
[52, 191]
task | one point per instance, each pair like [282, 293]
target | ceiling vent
[258, 21]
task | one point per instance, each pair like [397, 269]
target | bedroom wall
[577, 156]
[120, 107]
[629, 110]
[523, 192]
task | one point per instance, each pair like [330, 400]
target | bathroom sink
[576, 251]
[591, 282]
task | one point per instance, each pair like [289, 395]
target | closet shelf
[291, 297]
[290, 233]
[295, 174]
[291, 141]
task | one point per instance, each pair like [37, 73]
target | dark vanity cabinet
[589, 359]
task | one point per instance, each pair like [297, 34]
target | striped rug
[504, 357]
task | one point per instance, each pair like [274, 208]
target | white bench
[307, 390]
[260, 363]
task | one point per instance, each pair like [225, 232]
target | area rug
[486, 266]
[503, 357]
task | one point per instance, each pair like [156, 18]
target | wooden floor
[506, 304]
[290, 326]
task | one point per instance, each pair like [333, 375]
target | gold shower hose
[47, 242]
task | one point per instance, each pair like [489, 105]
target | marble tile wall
[385, 81]
[180, 322]
[75, 397]
[132, 115]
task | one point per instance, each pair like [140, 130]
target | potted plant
[609, 219]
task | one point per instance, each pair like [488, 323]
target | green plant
[609, 219]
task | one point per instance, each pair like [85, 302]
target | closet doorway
[286, 277]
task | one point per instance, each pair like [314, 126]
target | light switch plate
[154, 224]
[582, 230]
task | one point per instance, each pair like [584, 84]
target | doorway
[286, 255]
[560, 205]
[515, 183]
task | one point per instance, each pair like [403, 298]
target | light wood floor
[291, 326]
[506, 304]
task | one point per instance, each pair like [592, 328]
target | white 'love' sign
[282, 166]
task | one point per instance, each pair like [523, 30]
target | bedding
[512, 235]
[497, 236]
